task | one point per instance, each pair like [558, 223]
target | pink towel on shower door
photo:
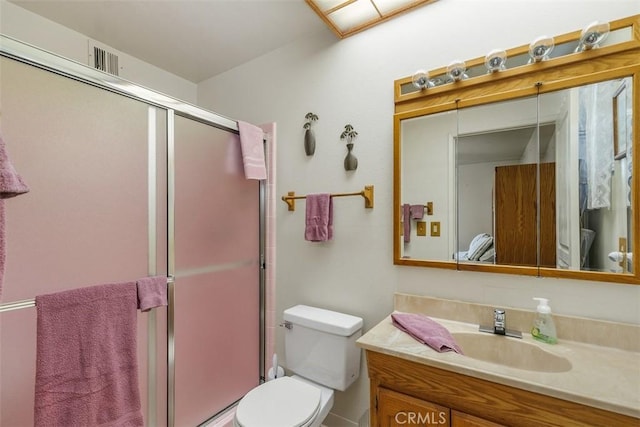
[86, 357]
[319, 218]
[11, 185]
[251, 143]
[152, 292]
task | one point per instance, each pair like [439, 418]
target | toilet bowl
[320, 350]
[285, 402]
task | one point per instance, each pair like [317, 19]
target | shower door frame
[31, 55]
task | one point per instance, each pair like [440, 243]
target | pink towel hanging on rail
[86, 357]
[319, 218]
[251, 143]
[152, 292]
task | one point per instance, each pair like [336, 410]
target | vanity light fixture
[540, 48]
[592, 35]
[456, 70]
[495, 60]
[420, 79]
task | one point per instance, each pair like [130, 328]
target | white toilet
[320, 348]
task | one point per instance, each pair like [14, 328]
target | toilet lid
[279, 403]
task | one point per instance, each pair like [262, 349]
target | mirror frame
[564, 72]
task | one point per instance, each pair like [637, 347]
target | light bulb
[456, 70]
[593, 34]
[495, 60]
[421, 80]
[540, 48]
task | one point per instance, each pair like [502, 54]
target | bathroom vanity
[500, 380]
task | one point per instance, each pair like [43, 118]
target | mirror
[530, 172]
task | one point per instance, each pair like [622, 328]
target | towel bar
[27, 303]
[367, 193]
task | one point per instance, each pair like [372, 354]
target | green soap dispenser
[544, 329]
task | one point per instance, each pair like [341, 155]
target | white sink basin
[512, 352]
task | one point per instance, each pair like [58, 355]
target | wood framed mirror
[529, 170]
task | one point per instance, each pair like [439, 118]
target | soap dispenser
[544, 329]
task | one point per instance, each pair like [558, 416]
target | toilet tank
[320, 345]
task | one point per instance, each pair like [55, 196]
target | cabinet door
[397, 409]
[460, 419]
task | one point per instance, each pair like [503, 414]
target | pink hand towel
[251, 143]
[410, 212]
[406, 222]
[426, 330]
[417, 211]
[319, 218]
[152, 292]
[86, 360]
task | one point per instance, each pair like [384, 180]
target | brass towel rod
[367, 193]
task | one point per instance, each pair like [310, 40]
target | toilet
[321, 352]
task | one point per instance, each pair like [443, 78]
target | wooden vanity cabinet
[398, 409]
[407, 393]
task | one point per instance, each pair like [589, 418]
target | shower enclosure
[127, 183]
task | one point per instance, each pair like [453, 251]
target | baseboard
[334, 420]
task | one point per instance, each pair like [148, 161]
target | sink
[511, 352]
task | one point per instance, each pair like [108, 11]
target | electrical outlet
[435, 229]
[422, 228]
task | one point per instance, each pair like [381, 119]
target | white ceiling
[194, 39]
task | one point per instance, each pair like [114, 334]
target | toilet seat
[282, 402]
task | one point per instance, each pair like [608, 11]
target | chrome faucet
[500, 325]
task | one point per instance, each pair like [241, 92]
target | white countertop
[602, 377]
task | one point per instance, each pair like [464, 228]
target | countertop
[603, 377]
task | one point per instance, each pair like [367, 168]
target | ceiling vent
[102, 59]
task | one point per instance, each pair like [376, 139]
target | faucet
[500, 325]
[499, 321]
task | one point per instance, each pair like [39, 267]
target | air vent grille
[105, 61]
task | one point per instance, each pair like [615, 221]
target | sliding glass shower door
[216, 295]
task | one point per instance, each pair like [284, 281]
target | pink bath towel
[252, 145]
[11, 185]
[426, 330]
[319, 218]
[152, 292]
[86, 360]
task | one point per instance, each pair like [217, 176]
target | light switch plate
[435, 229]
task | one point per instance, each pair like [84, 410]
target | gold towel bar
[367, 193]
